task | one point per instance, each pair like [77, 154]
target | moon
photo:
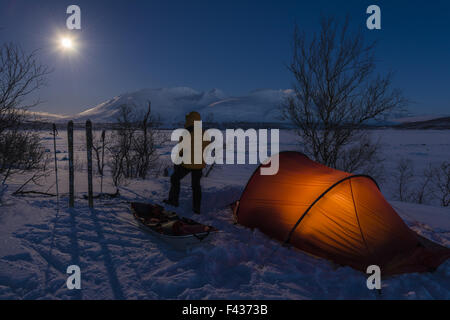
[66, 43]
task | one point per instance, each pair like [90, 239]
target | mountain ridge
[171, 104]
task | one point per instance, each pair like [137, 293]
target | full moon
[66, 43]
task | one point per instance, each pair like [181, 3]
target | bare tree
[441, 180]
[336, 93]
[433, 185]
[363, 156]
[20, 151]
[99, 146]
[39, 174]
[119, 146]
[133, 144]
[20, 76]
[144, 143]
[424, 190]
[404, 177]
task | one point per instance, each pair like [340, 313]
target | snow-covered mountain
[417, 118]
[172, 104]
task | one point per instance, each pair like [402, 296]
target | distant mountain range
[172, 104]
[438, 123]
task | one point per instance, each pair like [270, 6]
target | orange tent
[334, 215]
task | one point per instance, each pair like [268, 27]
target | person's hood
[191, 117]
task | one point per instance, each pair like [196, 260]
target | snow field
[119, 261]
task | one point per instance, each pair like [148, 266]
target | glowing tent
[334, 215]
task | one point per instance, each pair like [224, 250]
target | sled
[179, 232]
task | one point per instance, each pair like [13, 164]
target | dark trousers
[179, 173]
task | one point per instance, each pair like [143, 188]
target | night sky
[234, 45]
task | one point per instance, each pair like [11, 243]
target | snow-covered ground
[117, 260]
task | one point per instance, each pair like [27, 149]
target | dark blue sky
[233, 45]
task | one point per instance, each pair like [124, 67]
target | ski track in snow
[119, 261]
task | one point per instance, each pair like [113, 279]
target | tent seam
[321, 196]
[357, 219]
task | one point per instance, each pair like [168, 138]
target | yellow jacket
[189, 124]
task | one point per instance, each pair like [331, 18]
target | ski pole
[103, 161]
[89, 160]
[55, 133]
[71, 169]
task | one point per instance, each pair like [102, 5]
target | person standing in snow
[182, 170]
